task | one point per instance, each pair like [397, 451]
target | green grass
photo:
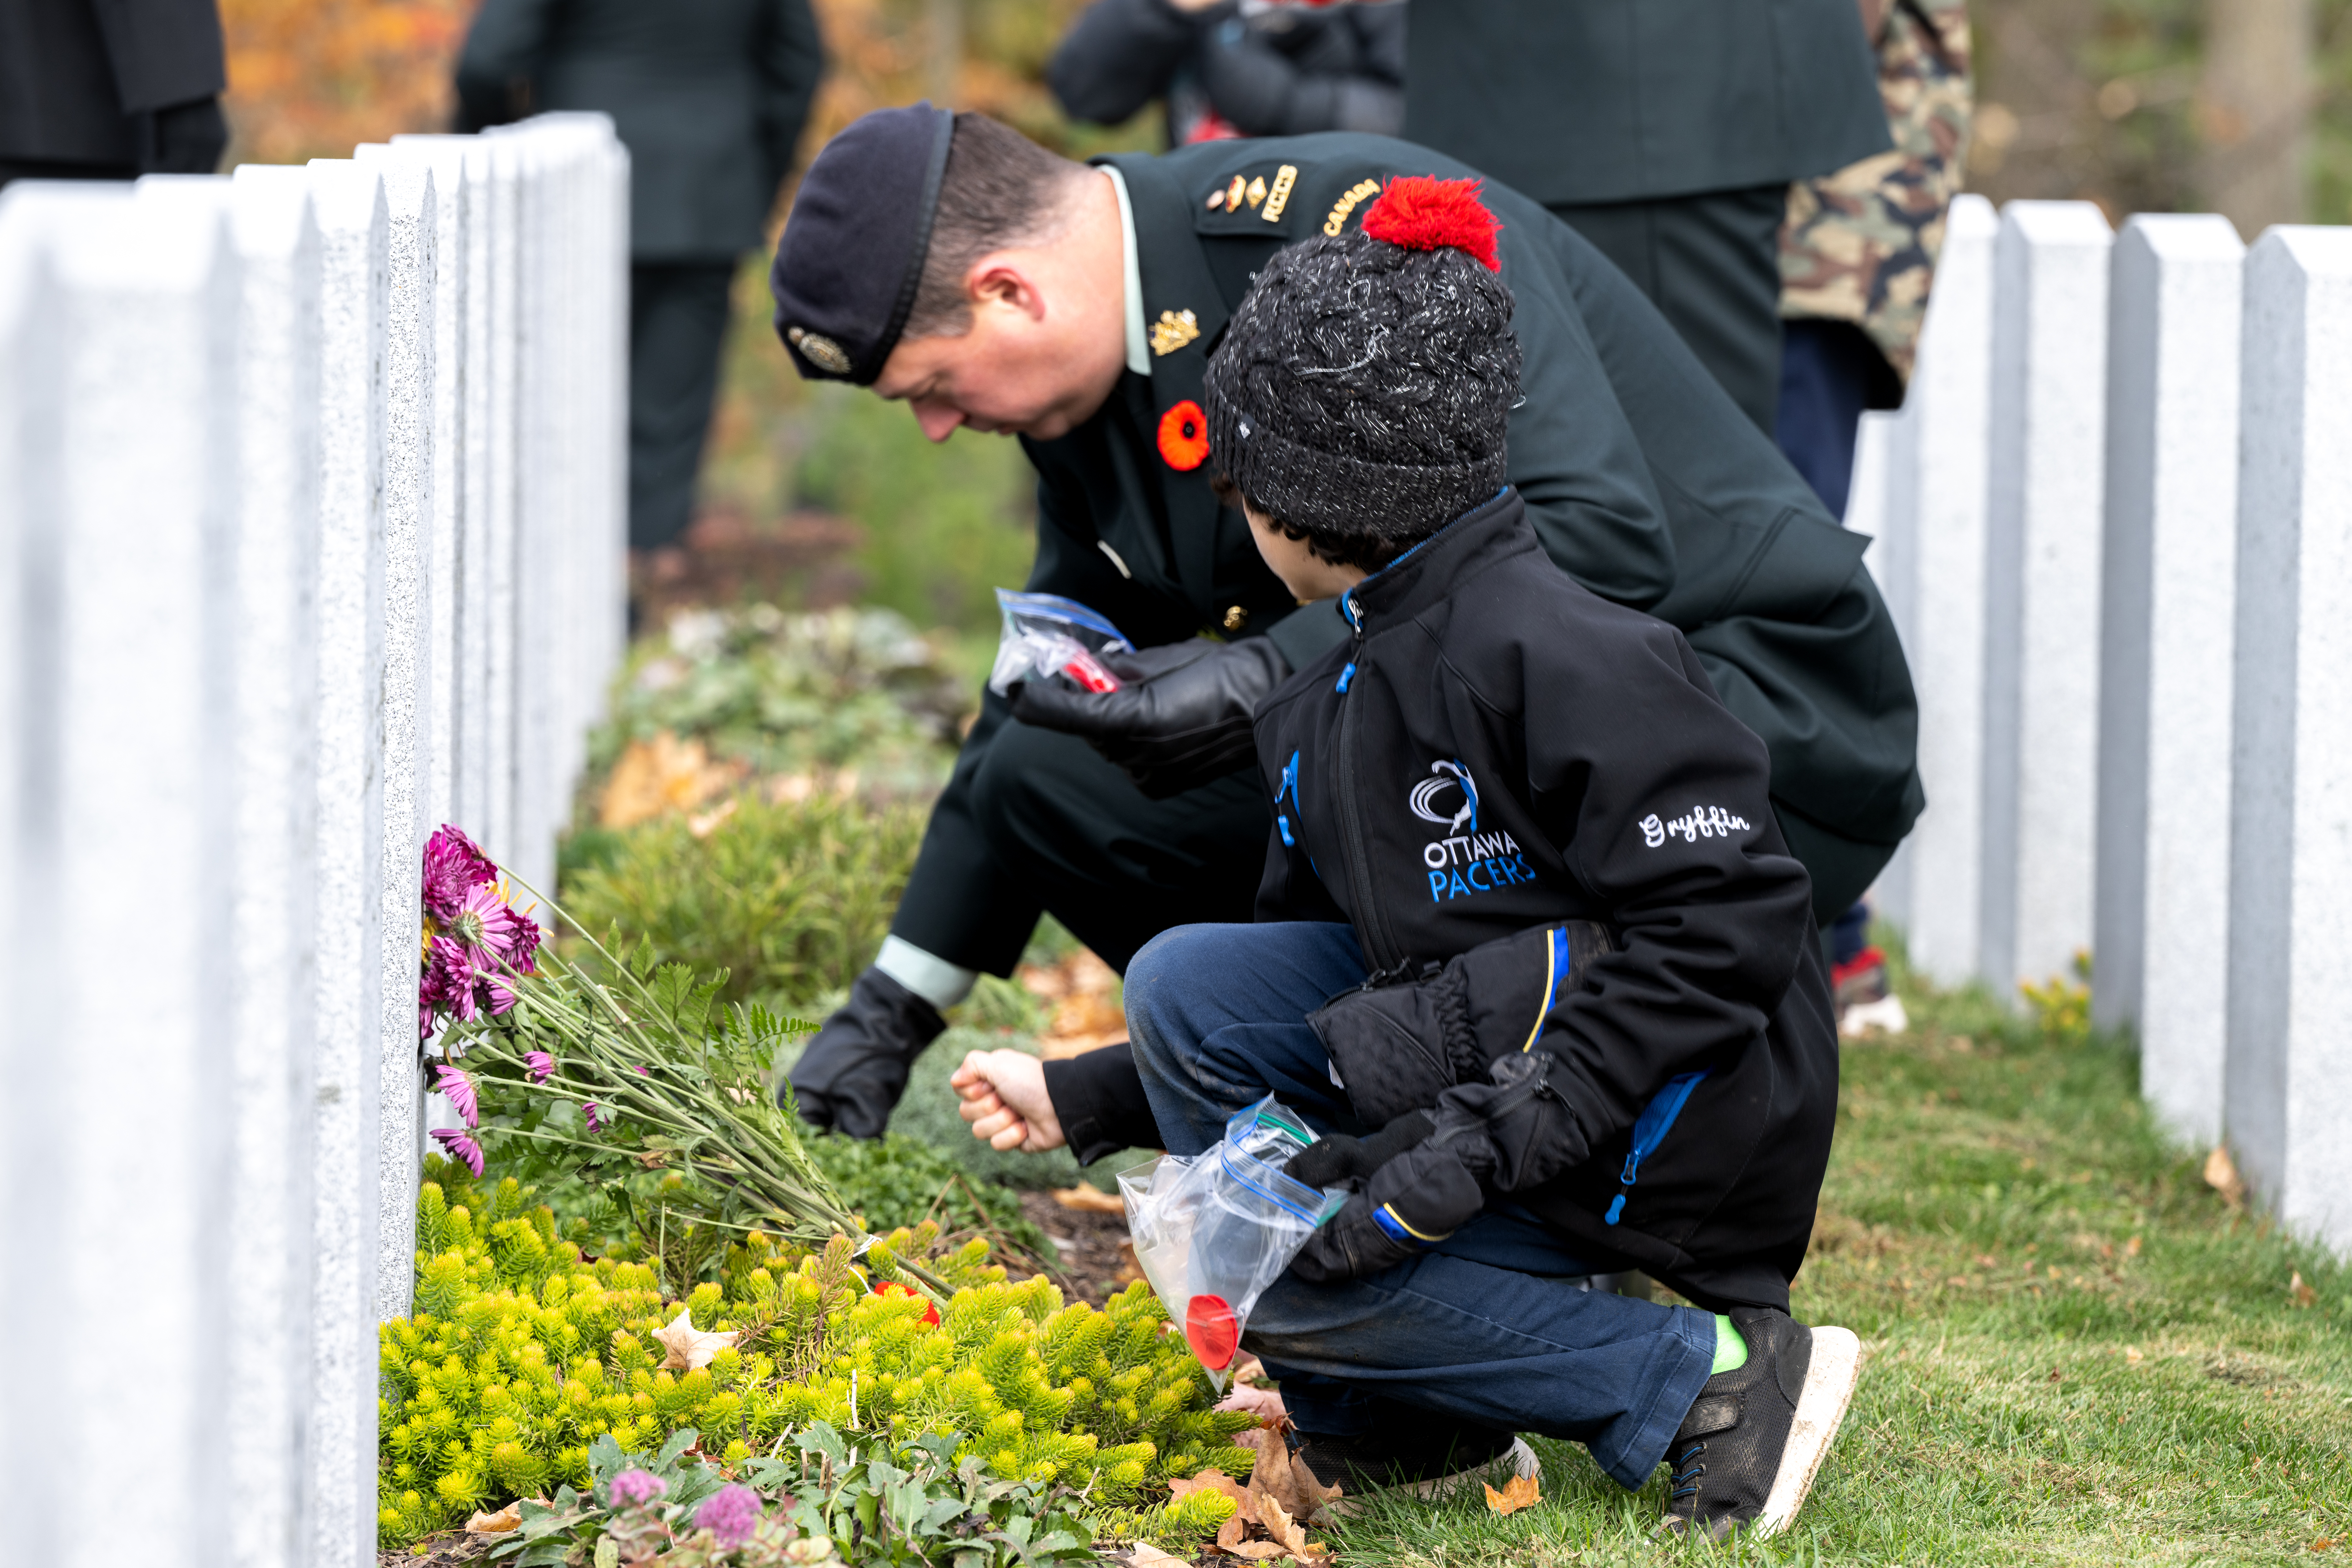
[2076, 1352]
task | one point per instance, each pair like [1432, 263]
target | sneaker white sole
[1830, 1379]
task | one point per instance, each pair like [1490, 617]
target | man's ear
[1002, 281]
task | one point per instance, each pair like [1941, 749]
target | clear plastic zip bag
[1211, 1231]
[1047, 635]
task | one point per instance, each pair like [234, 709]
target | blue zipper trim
[1347, 675]
[1649, 1130]
[1347, 596]
[1289, 786]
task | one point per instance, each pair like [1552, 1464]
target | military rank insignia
[1173, 331]
[1255, 201]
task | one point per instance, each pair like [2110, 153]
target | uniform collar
[1138, 355]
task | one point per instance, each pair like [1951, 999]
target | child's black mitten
[1407, 1207]
[1329, 1161]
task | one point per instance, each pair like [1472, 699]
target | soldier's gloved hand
[1407, 1207]
[1328, 1162]
[1181, 719]
[855, 1070]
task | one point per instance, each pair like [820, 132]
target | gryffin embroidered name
[1699, 822]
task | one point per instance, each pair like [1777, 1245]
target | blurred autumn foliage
[308, 79]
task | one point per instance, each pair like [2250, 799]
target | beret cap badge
[819, 350]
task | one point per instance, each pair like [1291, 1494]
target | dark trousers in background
[677, 328]
[1829, 372]
[1711, 264]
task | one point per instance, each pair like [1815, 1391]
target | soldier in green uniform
[949, 262]
[709, 97]
[1665, 131]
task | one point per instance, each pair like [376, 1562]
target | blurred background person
[112, 92]
[1858, 251]
[1666, 132]
[709, 97]
[1857, 256]
[1235, 67]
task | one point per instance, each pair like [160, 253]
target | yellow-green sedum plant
[521, 1355]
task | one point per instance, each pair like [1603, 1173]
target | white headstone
[2044, 507]
[2168, 601]
[126, 613]
[353, 225]
[276, 237]
[1935, 549]
[2288, 1087]
[408, 513]
[497, 830]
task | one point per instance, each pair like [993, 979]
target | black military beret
[852, 253]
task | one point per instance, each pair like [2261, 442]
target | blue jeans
[1494, 1326]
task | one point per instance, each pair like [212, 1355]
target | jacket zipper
[1380, 951]
[1649, 1130]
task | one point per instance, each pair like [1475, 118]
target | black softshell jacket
[1497, 749]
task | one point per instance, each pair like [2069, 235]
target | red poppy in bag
[1184, 436]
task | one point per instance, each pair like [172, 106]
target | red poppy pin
[892, 1288]
[1184, 436]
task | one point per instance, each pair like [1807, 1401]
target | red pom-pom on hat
[1421, 211]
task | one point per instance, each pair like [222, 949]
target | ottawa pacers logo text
[1467, 861]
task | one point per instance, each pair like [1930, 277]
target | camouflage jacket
[1860, 245]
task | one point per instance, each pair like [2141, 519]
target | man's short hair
[999, 191]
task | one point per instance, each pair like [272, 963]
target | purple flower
[490, 931]
[540, 1063]
[731, 1514]
[453, 867]
[633, 1489]
[463, 1147]
[596, 1122]
[460, 1090]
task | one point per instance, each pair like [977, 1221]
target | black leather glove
[855, 1070]
[1409, 1205]
[1328, 1162]
[1181, 719]
[189, 138]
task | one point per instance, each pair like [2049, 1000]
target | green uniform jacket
[708, 96]
[1641, 480]
[1573, 101]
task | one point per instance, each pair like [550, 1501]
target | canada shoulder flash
[819, 349]
[1349, 200]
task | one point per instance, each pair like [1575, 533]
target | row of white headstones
[312, 537]
[2113, 523]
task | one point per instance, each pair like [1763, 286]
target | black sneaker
[1424, 1458]
[1747, 1451]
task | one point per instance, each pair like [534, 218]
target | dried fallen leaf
[1278, 1475]
[2134, 1354]
[1147, 1555]
[2222, 1175]
[2300, 1293]
[1089, 1199]
[498, 1523]
[1129, 1271]
[690, 1347]
[1230, 1533]
[1518, 1493]
[2327, 1543]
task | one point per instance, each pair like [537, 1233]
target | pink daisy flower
[541, 1063]
[460, 1146]
[491, 931]
[596, 1122]
[453, 867]
[458, 1088]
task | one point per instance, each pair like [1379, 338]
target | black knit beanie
[1363, 387]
